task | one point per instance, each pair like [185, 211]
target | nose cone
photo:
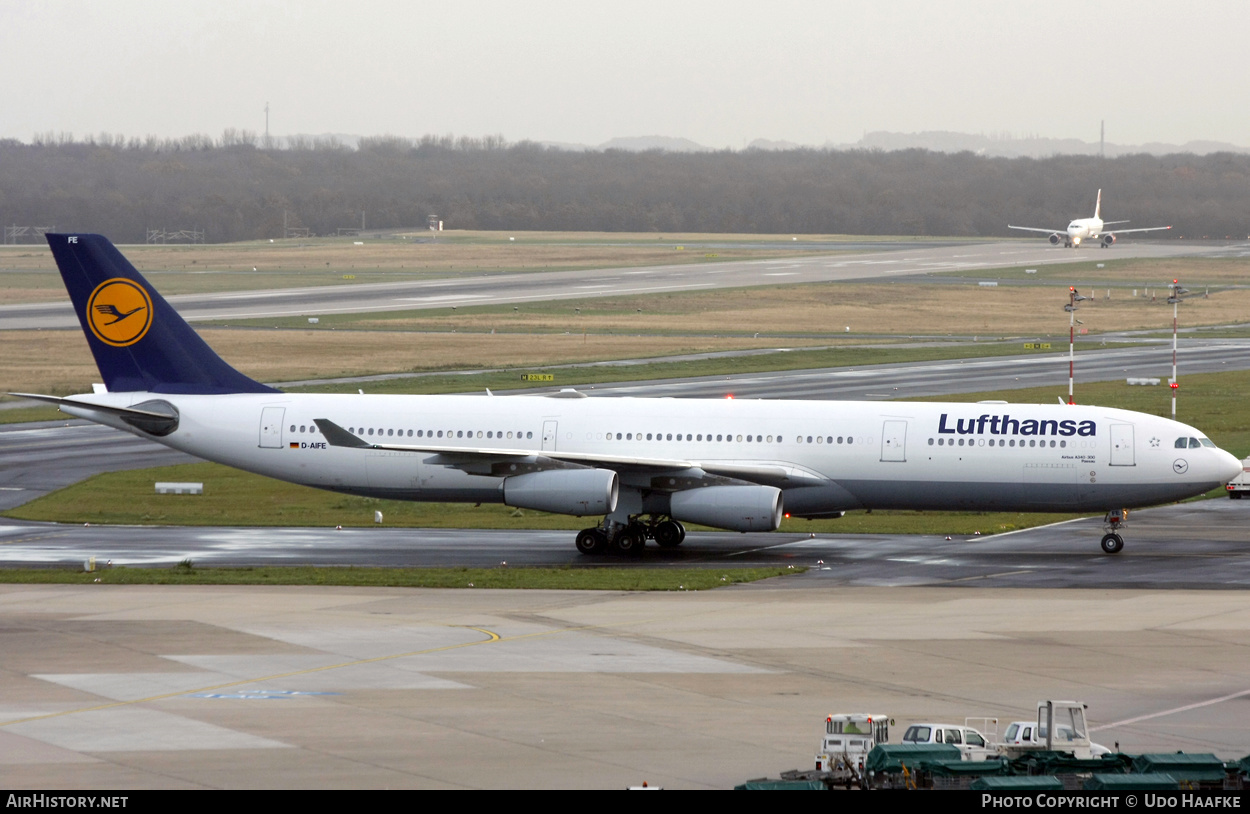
[1229, 467]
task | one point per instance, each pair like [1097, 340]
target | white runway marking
[1172, 711]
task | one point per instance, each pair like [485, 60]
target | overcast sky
[720, 73]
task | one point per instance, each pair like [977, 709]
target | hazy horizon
[721, 74]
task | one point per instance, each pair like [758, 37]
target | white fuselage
[1084, 229]
[830, 456]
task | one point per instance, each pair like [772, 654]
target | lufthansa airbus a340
[646, 465]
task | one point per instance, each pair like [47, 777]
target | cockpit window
[1193, 443]
[1207, 442]
[1181, 443]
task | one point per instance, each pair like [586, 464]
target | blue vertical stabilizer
[138, 340]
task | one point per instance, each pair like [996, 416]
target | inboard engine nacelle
[564, 491]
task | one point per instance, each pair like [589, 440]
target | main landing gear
[1116, 519]
[630, 538]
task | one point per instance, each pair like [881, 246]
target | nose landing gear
[1116, 519]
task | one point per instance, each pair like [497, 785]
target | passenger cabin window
[952, 736]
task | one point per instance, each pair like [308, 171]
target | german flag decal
[294, 445]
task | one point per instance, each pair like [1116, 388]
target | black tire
[669, 534]
[630, 541]
[1112, 543]
[591, 541]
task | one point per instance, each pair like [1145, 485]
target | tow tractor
[848, 740]
[1060, 727]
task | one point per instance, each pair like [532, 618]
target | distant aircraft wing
[503, 461]
[1146, 229]
[1035, 229]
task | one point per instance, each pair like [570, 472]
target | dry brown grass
[893, 309]
[27, 271]
[1141, 272]
[59, 362]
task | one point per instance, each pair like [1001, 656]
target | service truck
[1239, 485]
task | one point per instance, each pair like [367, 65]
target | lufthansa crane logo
[119, 312]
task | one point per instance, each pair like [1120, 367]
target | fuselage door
[549, 436]
[271, 427]
[1122, 445]
[894, 441]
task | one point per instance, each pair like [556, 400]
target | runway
[504, 289]
[1199, 545]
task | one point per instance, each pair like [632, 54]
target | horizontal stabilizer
[160, 417]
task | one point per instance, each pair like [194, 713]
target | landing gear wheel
[630, 540]
[1112, 543]
[591, 541]
[669, 534]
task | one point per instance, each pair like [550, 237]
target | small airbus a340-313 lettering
[646, 465]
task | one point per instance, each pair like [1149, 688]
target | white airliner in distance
[1088, 229]
[646, 465]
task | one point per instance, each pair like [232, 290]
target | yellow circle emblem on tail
[119, 312]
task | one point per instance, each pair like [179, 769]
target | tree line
[242, 187]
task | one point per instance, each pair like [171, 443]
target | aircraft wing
[1035, 229]
[1126, 231]
[503, 461]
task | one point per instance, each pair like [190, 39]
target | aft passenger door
[271, 427]
[549, 436]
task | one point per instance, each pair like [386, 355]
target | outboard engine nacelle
[1055, 239]
[740, 508]
[1108, 240]
[564, 491]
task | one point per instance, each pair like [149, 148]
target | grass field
[819, 309]
[28, 274]
[59, 362]
[567, 579]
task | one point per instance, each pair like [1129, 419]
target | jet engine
[564, 491]
[740, 508]
[1056, 239]
[1108, 240]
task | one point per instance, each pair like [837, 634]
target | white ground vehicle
[1031, 733]
[1060, 727]
[972, 744]
[1240, 485]
[848, 740]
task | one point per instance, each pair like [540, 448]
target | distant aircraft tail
[1098, 205]
[138, 340]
